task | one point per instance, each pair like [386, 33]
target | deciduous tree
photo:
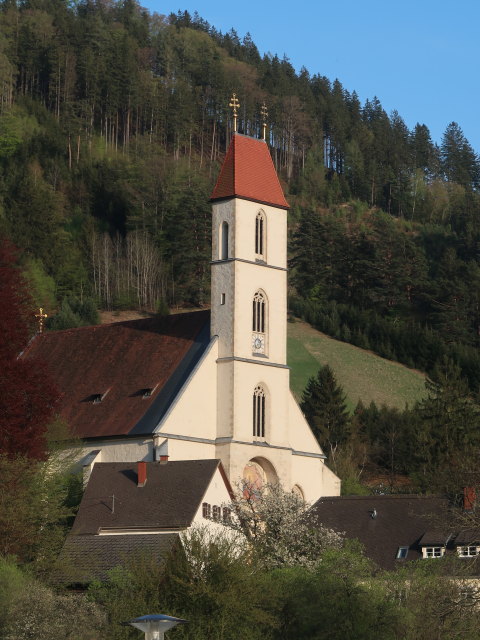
[27, 394]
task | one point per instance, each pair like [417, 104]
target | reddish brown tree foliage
[27, 395]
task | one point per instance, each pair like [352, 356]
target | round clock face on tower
[258, 343]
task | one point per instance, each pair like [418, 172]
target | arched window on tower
[259, 323]
[260, 228]
[259, 412]
[259, 305]
[224, 241]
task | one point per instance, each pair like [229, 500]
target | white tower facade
[261, 434]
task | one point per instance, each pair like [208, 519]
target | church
[206, 384]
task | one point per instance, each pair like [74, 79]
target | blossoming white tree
[279, 527]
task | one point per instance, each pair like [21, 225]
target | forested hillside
[113, 123]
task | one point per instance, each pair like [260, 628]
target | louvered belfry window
[260, 234]
[258, 323]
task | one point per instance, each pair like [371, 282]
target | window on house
[226, 514]
[258, 317]
[433, 552]
[259, 412]
[206, 510]
[402, 553]
[468, 551]
[224, 241]
[216, 511]
[260, 235]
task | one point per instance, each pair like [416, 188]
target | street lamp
[155, 625]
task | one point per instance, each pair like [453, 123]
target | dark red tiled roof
[120, 361]
[248, 172]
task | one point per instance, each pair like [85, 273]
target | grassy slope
[361, 373]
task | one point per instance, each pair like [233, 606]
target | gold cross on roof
[264, 114]
[41, 317]
[234, 104]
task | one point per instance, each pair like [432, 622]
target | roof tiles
[248, 172]
[104, 371]
[384, 523]
[169, 499]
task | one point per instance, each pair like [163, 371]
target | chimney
[141, 474]
[469, 497]
[162, 452]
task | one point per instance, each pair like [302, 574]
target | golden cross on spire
[41, 317]
[234, 104]
[264, 114]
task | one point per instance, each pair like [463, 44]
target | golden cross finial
[41, 317]
[234, 104]
[264, 113]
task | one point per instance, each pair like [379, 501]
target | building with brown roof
[134, 510]
[203, 385]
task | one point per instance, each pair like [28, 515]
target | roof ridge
[111, 324]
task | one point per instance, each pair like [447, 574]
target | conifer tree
[323, 404]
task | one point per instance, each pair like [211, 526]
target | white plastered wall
[216, 494]
[249, 278]
[247, 376]
[117, 450]
[311, 474]
[194, 411]
[275, 232]
[300, 435]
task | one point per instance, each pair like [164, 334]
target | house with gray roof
[394, 529]
[139, 509]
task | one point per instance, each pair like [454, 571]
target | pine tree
[459, 161]
[323, 404]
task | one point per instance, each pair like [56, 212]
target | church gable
[121, 378]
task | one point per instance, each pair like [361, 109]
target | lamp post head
[155, 625]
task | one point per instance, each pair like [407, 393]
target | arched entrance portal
[258, 472]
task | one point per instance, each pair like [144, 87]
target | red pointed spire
[248, 172]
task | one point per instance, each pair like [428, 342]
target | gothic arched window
[260, 226]
[259, 416]
[224, 241]
[258, 317]
[259, 324]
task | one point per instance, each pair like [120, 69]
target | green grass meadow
[362, 374]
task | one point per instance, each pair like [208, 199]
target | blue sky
[419, 57]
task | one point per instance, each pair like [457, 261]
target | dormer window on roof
[433, 552]
[148, 392]
[468, 551]
[402, 553]
[96, 398]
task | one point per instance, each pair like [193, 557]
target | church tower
[256, 413]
